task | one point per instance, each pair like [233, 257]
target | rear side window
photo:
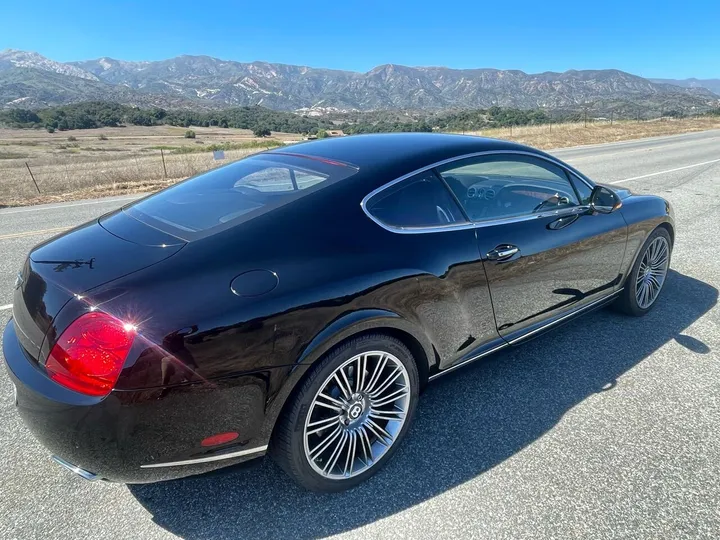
[418, 202]
[237, 192]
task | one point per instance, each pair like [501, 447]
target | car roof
[411, 150]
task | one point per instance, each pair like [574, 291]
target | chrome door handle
[502, 252]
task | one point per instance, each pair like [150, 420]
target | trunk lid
[71, 264]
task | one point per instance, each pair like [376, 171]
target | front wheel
[349, 414]
[648, 274]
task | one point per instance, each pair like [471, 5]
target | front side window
[504, 186]
[583, 190]
[418, 202]
[228, 195]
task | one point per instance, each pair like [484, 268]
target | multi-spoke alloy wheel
[647, 277]
[652, 271]
[357, 414]
[349, 414]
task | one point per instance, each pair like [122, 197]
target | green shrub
[72, 138]
[189, 134]
[250, 145]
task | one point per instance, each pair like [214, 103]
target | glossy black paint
[229, 323]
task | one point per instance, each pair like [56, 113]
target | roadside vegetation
[45, 165]
[262, 121]
[553, 136]
[37, 166]
[225, 146]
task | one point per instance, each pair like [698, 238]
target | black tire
[287, 447]
[627, 302]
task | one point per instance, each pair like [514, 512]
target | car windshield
[228, 195]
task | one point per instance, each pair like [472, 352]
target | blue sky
[652, 39]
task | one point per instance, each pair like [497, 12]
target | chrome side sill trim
[231, 455]
[573, 313]
[468, 361]
[77, 470]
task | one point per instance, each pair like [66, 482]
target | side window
[582, 189]
[505, 185]
[420, 201]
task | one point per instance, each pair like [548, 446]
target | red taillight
[90, 354]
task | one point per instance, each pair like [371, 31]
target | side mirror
[604, 200]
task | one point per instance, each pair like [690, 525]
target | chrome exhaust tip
[77, 470]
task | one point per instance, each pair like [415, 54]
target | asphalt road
[606, 428]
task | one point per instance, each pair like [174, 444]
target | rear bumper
[140, 435]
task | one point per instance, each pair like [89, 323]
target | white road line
[665, 172]
[7, 306]
[36, 209]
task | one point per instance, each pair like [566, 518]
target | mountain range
[709, 84]
[30, 80]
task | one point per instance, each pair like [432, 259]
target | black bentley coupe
[297, 301]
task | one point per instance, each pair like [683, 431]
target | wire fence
[52, 174]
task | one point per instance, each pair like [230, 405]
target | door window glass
[504, 186]
[582, 189]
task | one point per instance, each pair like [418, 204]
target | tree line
[98, 114]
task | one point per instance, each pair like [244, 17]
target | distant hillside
[28, 79]
[713, 85]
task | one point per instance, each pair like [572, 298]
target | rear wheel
[349, 414]
[648, 274]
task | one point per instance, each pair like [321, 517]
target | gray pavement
[605, 428]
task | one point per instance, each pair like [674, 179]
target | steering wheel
[556, 200]
[442, 215]
[544, 203]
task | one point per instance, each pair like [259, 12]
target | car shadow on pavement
[467, 422]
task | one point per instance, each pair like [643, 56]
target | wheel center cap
[355, 411]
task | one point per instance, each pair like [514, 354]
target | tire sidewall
[304, 472]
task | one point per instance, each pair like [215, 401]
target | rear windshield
[237, 192]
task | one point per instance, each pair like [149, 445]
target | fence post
[33, 177]
[162, 155]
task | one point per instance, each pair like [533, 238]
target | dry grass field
[566, 135]
[98, 162]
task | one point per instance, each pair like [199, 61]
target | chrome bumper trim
[77, 470]
[208, 459]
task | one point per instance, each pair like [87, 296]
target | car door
[430, 240]
[544, 254]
